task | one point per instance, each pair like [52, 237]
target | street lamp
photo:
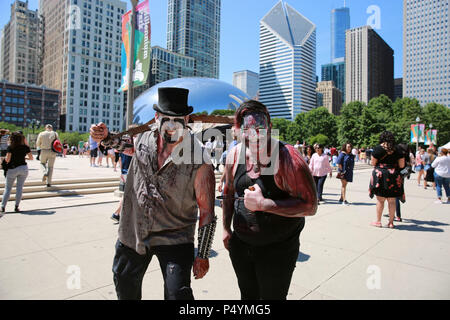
[417, 138]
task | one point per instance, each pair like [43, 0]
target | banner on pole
[434, 136]
[141, 44]
[417, 132]
[428, 137]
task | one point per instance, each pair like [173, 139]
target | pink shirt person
[319, 165]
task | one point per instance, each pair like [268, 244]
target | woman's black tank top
[261, 228]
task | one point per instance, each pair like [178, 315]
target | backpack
[57, 146]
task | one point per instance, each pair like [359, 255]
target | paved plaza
[55, 241]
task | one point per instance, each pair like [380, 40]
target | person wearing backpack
[45, 141]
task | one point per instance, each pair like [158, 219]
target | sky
[239, 35]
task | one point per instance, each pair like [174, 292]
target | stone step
[66, 181]
[43, 188]
[63, 193]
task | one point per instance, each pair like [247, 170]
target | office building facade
[287, 77]
[21, 45]
[247, 81]
[335, 72]
[340, 23]
[398, 88]
[426, 47]
[82, 58]
[21, 104]
[330, 97]
[194, 30]
[369, 66]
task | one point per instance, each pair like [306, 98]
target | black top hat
[173, 102]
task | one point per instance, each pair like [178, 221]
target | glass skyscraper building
[426, 47]
[335, 72]
[340, 22]
[287, 60]
[194, 31]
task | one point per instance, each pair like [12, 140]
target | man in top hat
[160, 205]
[44, 142]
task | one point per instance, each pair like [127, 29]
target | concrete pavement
[55, 242]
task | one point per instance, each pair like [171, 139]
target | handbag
[340, 175]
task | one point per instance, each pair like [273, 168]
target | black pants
[320, 181]
[175, 261]
[397, 207]
[264, 272]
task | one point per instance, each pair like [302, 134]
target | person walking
[269, 190]
[386, 181]
[162, 202]
[65, 149]
[420, 157]
[4, 138]
[93, 147]
[308, 152]
[346, 164]
[441, 167]
[429, 170]
[44, 142]
[16, 154]
[320, 168]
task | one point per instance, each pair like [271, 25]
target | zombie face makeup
[171, 128]
[255, 129]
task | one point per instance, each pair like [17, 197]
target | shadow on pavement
[35, 213]
[430, 223]
[363, 204]
[415, 227]
[302, 257]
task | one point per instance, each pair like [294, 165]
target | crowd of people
[268, 189]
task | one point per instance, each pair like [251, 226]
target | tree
[439, 116]
[375, 119]
[320, 139]
[319, 120]
[281, 125]
[349, 123]
[225, 112]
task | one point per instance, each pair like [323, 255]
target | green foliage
[320, 139]
[281, 125]
[72, 138]
[225, 112]
[203, 113]
[349, 123]
[439, 116]
[320, 121]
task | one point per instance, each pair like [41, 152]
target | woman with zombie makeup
[386, 181]
[268, 192]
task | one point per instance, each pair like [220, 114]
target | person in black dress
[386, 181]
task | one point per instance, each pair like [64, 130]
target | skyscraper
[426, 63]
[247, 81]
[369, 66]
[330, 97]
[194, 30]
[335, 72]
[22, 45]
[82, 50]
[287, 60]
[340, 22]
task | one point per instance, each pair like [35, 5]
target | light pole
[130, 96]
[417, 138]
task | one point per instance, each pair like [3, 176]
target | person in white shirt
[441, 167]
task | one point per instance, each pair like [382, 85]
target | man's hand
[201, 267]
[253, 198]
[99, 132]
[226, 238]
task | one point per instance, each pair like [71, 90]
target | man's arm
[39, 141]
[204, 184]
[295, 178]
[228, 192]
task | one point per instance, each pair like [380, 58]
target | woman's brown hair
[16, 139]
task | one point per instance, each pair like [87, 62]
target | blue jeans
[441, 181]
[19, 173]
[320, 181]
